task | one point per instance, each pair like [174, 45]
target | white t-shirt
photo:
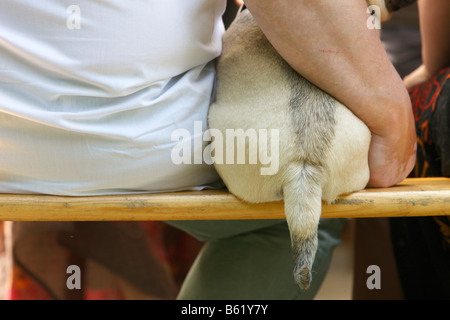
[91, 93]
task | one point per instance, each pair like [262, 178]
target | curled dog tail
[303, 206]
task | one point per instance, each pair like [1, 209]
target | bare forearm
[332, 47]
[329, 43]
[435, 32]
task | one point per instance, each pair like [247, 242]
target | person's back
[90, 93]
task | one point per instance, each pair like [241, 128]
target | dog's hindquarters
[319, 139]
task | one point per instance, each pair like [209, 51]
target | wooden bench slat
[412, 197]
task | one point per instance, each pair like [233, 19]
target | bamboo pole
[412, 197]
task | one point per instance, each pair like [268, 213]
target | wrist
[393, 146]
[386, 113]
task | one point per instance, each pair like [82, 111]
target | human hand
[393, 147]
[390, 161]
[419, 75]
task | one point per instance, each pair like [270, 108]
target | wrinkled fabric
[90, 94]
[431, 106]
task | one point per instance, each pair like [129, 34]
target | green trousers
[252, 259]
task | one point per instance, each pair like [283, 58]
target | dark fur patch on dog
[312, 112]
[304, 252]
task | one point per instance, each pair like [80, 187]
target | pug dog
[320, 147]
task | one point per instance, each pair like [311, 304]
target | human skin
[435, 32]
[329, 43]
